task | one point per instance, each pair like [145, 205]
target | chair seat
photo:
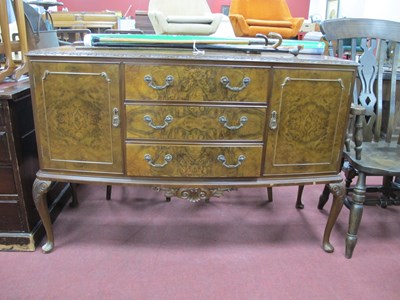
[269, 23]
[190, 19]
[377, 159]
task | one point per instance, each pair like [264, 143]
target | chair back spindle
[374, 44]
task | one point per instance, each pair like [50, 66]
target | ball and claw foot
[48, 247]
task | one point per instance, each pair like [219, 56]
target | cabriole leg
[40, 189]
[338, 191]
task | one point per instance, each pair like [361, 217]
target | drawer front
[11, 219]
[193, 160]
[7, 183]
[196, 83]
[2, 113]
[4, 148]
[195, 122]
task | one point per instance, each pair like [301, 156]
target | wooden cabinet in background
[142, 22]
[96, 22]
[20, 225]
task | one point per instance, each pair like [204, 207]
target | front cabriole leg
[40, 189]
[338, 191]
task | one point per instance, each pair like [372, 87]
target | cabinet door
[307, 117]
[77, 108]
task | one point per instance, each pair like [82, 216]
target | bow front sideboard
[191, 125]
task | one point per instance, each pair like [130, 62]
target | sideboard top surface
[85, 52]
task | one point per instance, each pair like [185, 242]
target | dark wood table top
[14, 89]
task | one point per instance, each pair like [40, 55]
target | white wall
[382, 9]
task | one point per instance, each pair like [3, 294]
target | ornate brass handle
[224, 120]
[226, 83]
[168, 82]
[273, 123]
[222, 159]
[167, 159]
[115, 118]
[168, 119]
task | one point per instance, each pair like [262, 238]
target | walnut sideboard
[192, 125]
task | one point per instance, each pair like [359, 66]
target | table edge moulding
[192, 125]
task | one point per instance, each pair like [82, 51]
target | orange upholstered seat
[249, 17]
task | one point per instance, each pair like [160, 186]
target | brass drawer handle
[273, 123]
[224, 120]
[226, 83]
[168, 82]
[115, 119]
[167, 159]
[222, 159]
[168, 119]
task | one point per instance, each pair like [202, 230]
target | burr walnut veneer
[190, 125]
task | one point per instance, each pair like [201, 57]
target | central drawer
[196, 83]
[178, 122]
[161, 160]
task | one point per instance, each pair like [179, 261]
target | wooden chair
[7, 46]
[373, 145]
[249, 18]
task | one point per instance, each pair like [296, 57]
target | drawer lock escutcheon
[273, 123]
[226, 83]
[115, 118]
[222, 159]
[168, 119]
[223, 120]
[167, 159]
[168, 82]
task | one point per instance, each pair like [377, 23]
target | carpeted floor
[137, 246]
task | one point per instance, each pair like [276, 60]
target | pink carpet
[137, 246]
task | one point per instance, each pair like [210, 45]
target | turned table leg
[338, 191]
[356, 211]
[299, 203]
[270, 195]
[40, 188]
